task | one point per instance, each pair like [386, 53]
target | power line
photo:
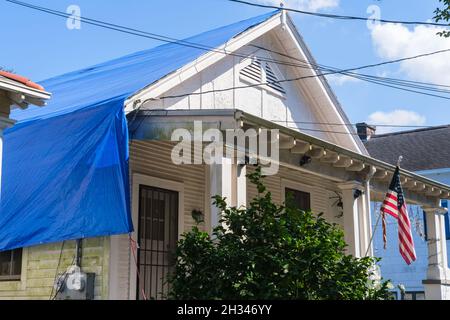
[340, 17]
[352, 124]
[166, 39]
[133, 131]
[331, 70]
[182, 95]
[347, 72]
[325, 67]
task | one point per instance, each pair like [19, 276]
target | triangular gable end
[307, 105]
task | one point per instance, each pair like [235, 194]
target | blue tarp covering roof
[65, 166]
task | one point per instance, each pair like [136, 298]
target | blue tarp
[65, 166]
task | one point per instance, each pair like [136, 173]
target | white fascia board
[191, 69]
[300, 46]
[13, 86]
[367, 159]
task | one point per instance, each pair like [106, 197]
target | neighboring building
[328, 172]
[425, 152]
[15, 92]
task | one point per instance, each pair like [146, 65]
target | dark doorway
[158, 236]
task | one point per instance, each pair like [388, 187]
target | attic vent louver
[253, 71]
[272, 79]
[254, 74]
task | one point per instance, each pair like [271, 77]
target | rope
[373, 235]
[134, 246]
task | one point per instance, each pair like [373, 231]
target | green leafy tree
[270, 251]
[443, 14]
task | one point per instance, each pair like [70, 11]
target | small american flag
[394, 204]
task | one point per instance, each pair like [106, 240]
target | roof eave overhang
[365, 159]
[233, 118]
[21, 95]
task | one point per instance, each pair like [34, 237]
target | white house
[222, 89]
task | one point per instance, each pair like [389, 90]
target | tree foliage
[269, 251]
[443, 14]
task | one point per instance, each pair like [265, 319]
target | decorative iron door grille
[158, 236]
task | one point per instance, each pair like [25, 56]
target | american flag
[394, 204]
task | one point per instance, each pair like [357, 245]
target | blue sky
[40, 46]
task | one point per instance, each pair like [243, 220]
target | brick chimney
[365, 131]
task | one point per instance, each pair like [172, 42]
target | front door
[158, 235]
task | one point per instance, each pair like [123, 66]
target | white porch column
[365, 222]
[222, 182]
[437, 284]
[353, 209]
[241, 186]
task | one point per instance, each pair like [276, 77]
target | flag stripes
[394, 204]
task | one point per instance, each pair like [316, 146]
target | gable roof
[133, 77]
[120, 78]
[422, 149]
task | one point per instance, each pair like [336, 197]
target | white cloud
[340, 80]
[396, 117]
[307, 5]
[394, 41]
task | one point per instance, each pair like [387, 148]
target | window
[300, 199]
[413, 295]
[444, 203]
[394, 295]
[10, 265]
[425, 229]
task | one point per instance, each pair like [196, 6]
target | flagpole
[400, 158]
[373, 234]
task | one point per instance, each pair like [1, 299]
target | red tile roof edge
[22, 80]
